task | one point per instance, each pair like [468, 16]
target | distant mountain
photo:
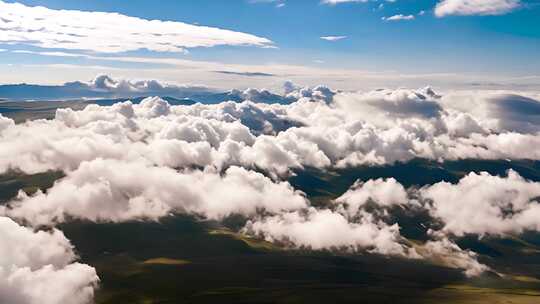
[101, 87]
[69, 90]
[108, 91]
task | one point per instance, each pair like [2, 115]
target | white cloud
[107, 190]
[32, 264]
[446, 253]
[5, 123]
[475, 7]
[383, 192]
[479, 203]
[484, 204]
[398, 17]
[324, 229]
[499, 111]
[333, 38]
[102, 32]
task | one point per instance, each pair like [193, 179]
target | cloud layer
[323, 128]
[149, 160]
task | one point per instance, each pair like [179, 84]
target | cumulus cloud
[217, 136]
[382, 192]
[318, 93]
[109, 32]
[479, 203]
[34, 263]
[252, 94]
[484, 204]
[475, 7]
[502, 112]
[325, 229]
[107, 190]
[401, 103]
[359, 222]
[516, 113]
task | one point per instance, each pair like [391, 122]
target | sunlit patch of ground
[166, 261]
[526, 279]
[251, 242]
[461, 294]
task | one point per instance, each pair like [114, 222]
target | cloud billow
[34, 263]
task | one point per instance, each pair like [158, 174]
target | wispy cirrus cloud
[103, 32]
[248, 74]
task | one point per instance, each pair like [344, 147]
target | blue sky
[503, 44]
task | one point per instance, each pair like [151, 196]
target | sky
[346, 44]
